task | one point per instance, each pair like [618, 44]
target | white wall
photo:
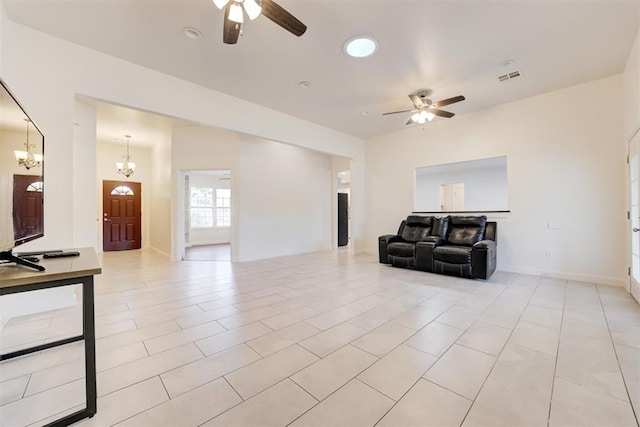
[566, 167]
[84, 213]
[47, 73]
[108, 154]
[631, 91]
[161, 235]
[284, 199]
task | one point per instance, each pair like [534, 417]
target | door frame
[178, 251]
[633, 152]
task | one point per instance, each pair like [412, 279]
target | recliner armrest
[485, 244]
[483, 259]
[424, 254]
[389, 238]
[383, 241]
[434, 239]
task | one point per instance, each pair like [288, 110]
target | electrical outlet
[549, 254]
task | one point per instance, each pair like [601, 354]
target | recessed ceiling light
[192, 33]
[361, 46]
[507, 62]
[304, 84]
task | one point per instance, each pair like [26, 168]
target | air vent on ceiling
[509, 76]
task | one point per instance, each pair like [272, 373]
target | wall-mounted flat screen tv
[21, 178]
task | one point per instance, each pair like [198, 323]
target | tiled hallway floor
[332, 339]
[220, 252]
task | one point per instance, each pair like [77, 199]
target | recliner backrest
[440, 226]
[466, 230]
[491, 231]
[416, 228]
[401, 228]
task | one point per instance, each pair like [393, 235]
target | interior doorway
[343, 183]
[452, 197]
[121, 215]
[207, 215]
[343, 219]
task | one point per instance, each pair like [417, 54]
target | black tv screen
[21, 174]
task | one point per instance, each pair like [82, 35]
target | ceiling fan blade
[448, 101]
[396, 112]
[410, 122]
[278, 15]
[231, 30]
[417, 101]
[441, 113]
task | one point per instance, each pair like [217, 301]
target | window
[35, 187]
[223, 207]
[201, 207]
[122, 190]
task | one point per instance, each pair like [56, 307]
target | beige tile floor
[331, 339]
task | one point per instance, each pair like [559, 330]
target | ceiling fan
[234, 17]
[425, 109]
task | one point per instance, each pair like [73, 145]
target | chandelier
[126, 168]
[26, 158]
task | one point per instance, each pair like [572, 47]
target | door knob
[107, 219]
[635, 229]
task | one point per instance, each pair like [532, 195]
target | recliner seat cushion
[452, 254]
[401, 249]
[460, 270]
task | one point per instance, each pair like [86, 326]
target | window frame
[225, 208]
[211, 208]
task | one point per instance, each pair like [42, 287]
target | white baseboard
[210, 242]
[635, 292]
[159, 251]
[577, 277]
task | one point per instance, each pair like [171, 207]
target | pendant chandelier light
[26, 158]
[126, 168]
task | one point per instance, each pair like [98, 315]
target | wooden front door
[27, 205]
[121, 217]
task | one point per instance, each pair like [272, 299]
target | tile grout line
[555, 365]
[634, 410]
[500, 353]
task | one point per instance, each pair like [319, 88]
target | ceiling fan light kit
[425, 109]
[422, 117]
[234, 17]
[252, 8]
[235, 13]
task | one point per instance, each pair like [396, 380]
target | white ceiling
[452, 47]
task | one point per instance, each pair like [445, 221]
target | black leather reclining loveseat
[463, 246]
